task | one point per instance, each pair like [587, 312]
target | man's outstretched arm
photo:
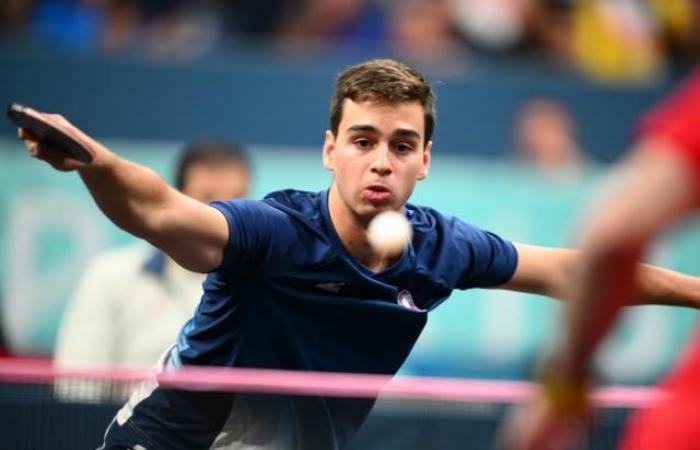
[139, 201]
[551, 272]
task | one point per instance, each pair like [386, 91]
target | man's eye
[362, 143]
[404, 148]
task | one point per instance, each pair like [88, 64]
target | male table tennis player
[293, 283]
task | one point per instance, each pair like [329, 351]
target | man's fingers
[39, 150]
[56, 158]
[47, 154]
[50, 118]
[32, 148]
[25, 135]
[33, 112]
[62, 124]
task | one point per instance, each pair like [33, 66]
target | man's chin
[369, 210]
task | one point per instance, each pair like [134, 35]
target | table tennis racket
[47, 134]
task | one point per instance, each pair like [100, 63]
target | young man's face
[377, 156]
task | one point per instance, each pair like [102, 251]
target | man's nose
[382, 161]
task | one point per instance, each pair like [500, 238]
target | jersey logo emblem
[406, 300]
[330, 287]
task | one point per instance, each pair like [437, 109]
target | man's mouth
[377, 193]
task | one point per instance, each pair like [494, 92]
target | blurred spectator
[549, 28]
[131, 302]
[616, 40]
[516, 28]
[121, 25]
[14, 14]
[422, 31]
[622, 40]
[71, 24]
[333, 22]
[678, 27]
[495, 25]
[608, 39]
[177, 28]
[546, 138]
[258, 18]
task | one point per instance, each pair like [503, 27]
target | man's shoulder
[287, 213]
[287, 201]
[305, 203]
[431, 226]
[424, 218]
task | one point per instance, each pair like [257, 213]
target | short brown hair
[384, 80]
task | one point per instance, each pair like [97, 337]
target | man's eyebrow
[406, 132]
[403, 132]
[365, 128]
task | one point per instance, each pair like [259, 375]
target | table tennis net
[43, 407]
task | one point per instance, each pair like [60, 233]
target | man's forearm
[130, 195]
[655, 285]
[552, 271]
[666, 287]
[138, 200]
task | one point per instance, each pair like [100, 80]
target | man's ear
[427, 152]
[328, 149]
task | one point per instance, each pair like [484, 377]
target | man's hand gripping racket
[51, 138]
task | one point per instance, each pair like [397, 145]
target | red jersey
[675, 423]
[677, 120]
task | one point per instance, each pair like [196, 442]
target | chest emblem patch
[406, 300]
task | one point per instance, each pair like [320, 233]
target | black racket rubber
[46, 134]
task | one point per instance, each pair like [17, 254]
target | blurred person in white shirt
[132, 301]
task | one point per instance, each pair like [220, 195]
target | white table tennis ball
[389, 232]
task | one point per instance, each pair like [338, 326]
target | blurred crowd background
[534, 98]
[607, 39]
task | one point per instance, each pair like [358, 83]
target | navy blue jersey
[288, 295]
